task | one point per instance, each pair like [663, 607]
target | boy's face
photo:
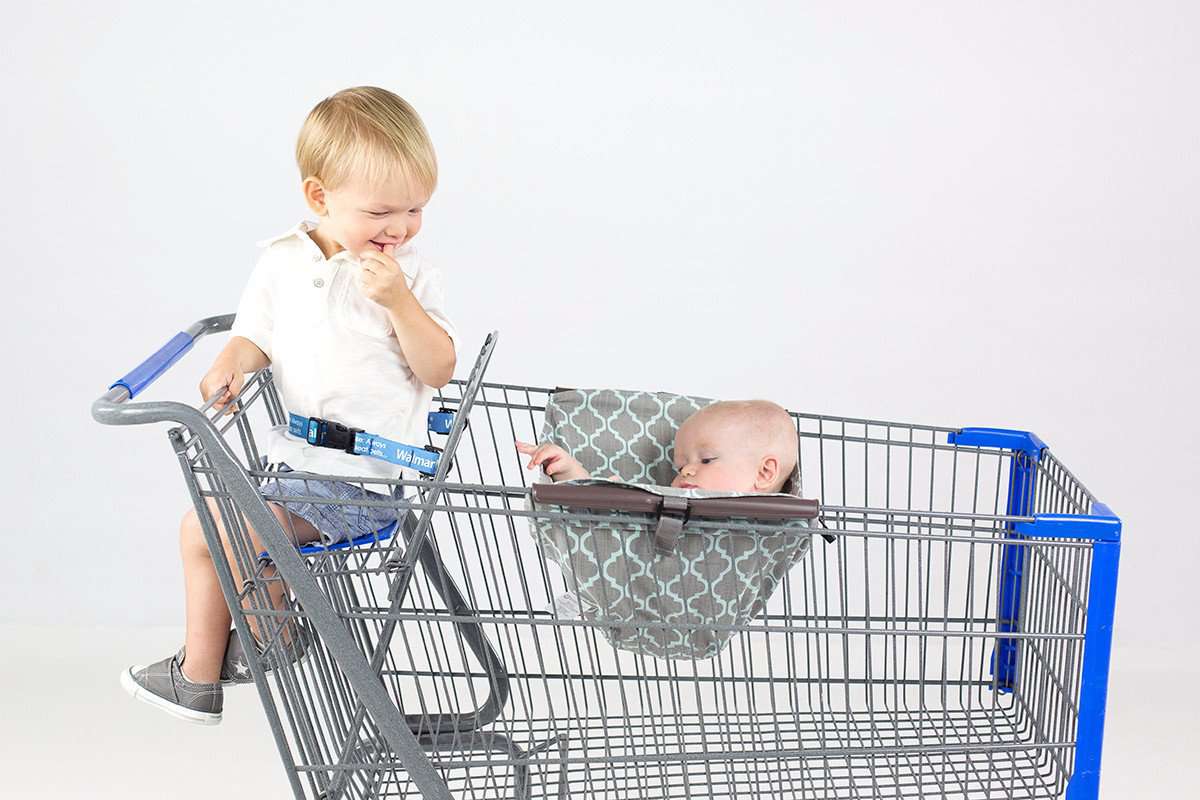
[358, 216]
[710, 454]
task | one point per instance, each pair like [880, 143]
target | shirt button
[318, 257]
[318, 282]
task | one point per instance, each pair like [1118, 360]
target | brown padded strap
[670, 524]
[606, 497]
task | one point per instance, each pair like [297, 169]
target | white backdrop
[960, 214]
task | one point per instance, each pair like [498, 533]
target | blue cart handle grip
[148, 371]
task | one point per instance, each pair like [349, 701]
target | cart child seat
[676, 587]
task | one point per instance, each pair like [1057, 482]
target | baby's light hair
[368, 133]
[766, 426]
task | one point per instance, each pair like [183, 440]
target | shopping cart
[950, 637]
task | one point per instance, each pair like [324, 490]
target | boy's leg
[208, 617]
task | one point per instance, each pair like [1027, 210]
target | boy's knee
[191, 534]
[191, 531]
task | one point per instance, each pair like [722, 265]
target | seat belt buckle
[330, 434]
[315, 435]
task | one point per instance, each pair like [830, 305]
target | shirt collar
[300, 231]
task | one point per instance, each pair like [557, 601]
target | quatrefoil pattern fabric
[685, 605]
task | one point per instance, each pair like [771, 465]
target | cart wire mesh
[872, 673]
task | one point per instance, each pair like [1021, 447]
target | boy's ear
[314, 195]
[768, 474]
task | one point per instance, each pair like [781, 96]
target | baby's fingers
[529, 450]
[536, 451]
[557, 465]
[544, 453]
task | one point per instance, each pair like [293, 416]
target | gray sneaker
[236, 668]
[163, 686]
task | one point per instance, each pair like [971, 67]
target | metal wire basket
[949, 637]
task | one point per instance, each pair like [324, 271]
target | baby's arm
[228, 371]
[555, 461]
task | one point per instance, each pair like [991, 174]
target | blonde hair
[365, 132]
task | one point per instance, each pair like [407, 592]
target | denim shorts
[334, 522]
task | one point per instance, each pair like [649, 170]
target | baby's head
[736, 446]
[367, 167]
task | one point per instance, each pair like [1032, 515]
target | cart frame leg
[1022, 476]
[372, 694]
[1093, 691]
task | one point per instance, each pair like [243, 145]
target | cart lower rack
[949, 637]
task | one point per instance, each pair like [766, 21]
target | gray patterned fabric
[642, 600]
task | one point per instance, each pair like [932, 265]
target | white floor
[68, 730]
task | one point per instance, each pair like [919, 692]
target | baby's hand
[555, 461]
[381, 278]
[225, 380]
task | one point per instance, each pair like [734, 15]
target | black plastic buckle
[333, 435]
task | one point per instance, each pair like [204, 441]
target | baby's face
[365, 217]
[710, 454]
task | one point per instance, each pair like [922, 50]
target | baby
[746, 446]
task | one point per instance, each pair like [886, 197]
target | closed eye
[708, 460]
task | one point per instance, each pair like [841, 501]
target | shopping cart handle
[146, 372]
[161, 360]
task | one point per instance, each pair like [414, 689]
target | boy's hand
[381, 278]
[225, 380]
[555, 461]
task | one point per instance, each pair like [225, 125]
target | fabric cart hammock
[659, 578]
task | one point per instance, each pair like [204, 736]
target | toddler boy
[352, 321]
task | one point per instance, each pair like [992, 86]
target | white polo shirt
[333, 352]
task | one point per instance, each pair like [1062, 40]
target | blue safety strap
[314, 430]
[441, 421]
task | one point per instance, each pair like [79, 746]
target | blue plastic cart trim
[1021, 441]
[1022, 474]
[381, 535]
[1027, 450]
[1100, 526]
[421, 459]
[1097, 652]
[148, 371]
